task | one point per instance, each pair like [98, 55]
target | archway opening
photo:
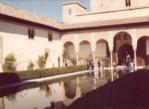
[69, 53]
[122, 48]
[85, 52]
[124, 51]
[143, 51]
[102, 52]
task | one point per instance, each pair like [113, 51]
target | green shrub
[41, 62]
[9, 62]
[32, 74]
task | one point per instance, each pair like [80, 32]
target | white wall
[106, 5]
[101, 50]
[75, 9]
[102, 10]
[15, 40]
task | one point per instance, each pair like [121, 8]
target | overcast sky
[48, 8]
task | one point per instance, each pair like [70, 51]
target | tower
[71, 10]
[107, 5]
[115, 5]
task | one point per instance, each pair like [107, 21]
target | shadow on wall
[128, 92]
[7, 79]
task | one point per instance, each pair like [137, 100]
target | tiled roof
[22, 14]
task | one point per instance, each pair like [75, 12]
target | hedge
[33, 74]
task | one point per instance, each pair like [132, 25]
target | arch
[122, 41]
[67, 42]
[102, 49]
[85, 52]
[69, 53]
[84, 41]
[123, 52]
[143, 50]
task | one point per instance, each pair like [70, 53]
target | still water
[50, 95]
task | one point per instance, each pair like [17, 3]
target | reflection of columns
[78, 80]
[2, 103]
[95, 82]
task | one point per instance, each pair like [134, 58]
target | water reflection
[57, 95]
[8, 90]
[70, 88]
[57, 105]
[2, 103]
[46, 89]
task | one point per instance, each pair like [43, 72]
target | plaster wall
[16, 41]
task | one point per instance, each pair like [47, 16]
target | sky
[47, 8]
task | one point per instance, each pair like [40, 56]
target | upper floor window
[128, 3]
[69, 11]
[31, 33]
[49, 37]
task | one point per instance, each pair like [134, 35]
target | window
[128, 3]
[31, 33]
[49, 37]
[69, 11]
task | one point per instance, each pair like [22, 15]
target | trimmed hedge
[33, 74]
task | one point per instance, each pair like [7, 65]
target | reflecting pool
[56, 94]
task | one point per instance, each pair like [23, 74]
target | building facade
[109, 32]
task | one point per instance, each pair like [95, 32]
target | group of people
[90, 65]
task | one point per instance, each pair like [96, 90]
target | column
[111, 64]
[135, 59]
[93, 46]
[116, 58]
[134, 44]
[77, 58]
[94, 59]
[61, 61]
[110, 43]
[76, 48]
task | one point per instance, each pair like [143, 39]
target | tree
[41, 62]
[9, 63]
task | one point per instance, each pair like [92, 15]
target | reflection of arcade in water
[56, 95]
[2, 104]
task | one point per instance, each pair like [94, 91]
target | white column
[76, 48]
[110, 42]
[77, 58]
[93, 53]
[93, 45]
[111, 63]
[135, 59]
[134, 44]
[61, 60]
